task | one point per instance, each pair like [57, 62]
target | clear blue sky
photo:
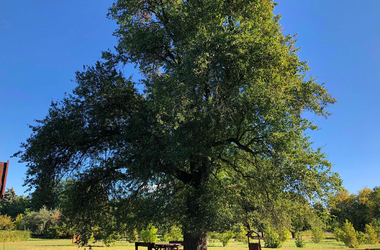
[43, 43]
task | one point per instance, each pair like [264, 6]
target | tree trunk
[293, 235]
[195, 243]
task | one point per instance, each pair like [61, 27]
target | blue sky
[43, 43]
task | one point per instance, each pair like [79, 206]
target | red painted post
[3, 177]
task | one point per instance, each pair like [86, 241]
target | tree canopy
[216, 135]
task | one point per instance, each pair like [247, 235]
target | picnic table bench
[157, 246]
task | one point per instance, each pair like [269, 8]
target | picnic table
[157, 246]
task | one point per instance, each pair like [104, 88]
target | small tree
[347, 235]
[149, 234]
[299, 241]
[371, 234]
[17, 222]
[318, 234]
[225, 237]
[273, 239]
[241, 235]
[174, 234]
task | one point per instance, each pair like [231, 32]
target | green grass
[65, 244]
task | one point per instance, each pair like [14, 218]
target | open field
[65, 244]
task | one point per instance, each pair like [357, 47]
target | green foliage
[14, 236]
[174, 234]
[18, 222]
[225, 237]
[361, 237]
[371, 234]
[149, 234]
[212, 239]
[111, 238]
[6, 222]
[317, 234]
[39, 222]
[348, 235]
[273, 239]
[132, 236]
[300, 242]
[376, 226]
[360, 209]
[14, 205]
[59, 231]
[241, 235]
[223, 107]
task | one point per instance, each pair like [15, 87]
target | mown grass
[65, 244]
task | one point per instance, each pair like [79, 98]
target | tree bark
[195, 242]
[293, 235]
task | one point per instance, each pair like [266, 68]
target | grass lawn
[47, 244]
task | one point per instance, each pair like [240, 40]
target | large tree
[218, 133]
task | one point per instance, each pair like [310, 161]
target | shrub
[347, 235]
[371, 234]
[299, 241]
[376, 226]
[60, 231]
[212, 239]
[273, 239]
[174, 234]
[283, 234]
[14, 236]
[6, 222]
[18, 222]
[361, 237]
[225, 237]
[241, 235]
[39, 222]
[111, 238]
[149, 234]
[317, 235]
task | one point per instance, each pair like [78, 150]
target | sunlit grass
[65, 244]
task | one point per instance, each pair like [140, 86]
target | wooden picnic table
[157, 246]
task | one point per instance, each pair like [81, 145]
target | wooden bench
[177, 242]
[157, 246]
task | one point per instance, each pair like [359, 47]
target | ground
[44, 244]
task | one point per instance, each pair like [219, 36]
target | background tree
[360, 209]
[217, 135]
[13, 205]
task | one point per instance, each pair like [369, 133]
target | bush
[212, 239]
[111, 239]
[60, 231]
[241, 235]
[299, 241]
[39, 222]
[376, 226]
[18, 222]
[361, 238]
[348, 235]
[149, 234]
[273, 239]
[6, 222]
[14, 236]
[225, 237]
[175, 234]
[317, 235]
[371, 234]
